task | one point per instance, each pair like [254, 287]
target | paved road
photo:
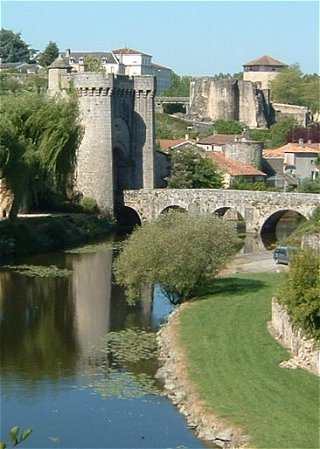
[253, 263]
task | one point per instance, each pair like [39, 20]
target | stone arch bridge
[255, 207]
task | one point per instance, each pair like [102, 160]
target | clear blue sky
[197, 38]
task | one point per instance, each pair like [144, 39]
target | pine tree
[49, 54]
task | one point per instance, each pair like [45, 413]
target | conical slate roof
[265, 60]
[59, 63]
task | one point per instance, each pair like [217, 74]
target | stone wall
[117, 150]
[305, 351]
[248, 152]
[229, 99]
[299, 113]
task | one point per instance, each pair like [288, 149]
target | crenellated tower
[117, 149]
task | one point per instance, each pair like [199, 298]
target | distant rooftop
[233, 167]
[128, 51]
[265, 60]
[76, 55]
[292, 148]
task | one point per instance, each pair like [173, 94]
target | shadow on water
[53, 374]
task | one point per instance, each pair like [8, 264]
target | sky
[192, 38]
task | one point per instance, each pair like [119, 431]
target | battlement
[100, 84]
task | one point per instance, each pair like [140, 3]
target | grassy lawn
[234, 362]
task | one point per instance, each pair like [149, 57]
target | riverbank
[44, 233]
[221, 369]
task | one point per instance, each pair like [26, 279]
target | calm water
[52, 369]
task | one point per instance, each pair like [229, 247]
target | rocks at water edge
[183, 395]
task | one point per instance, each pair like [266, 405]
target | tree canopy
[12, 47]
[179, 251]
[50, 53]
[280, 131]
[293, 87]
[191, 170]
[93, 64]
[38, 142]
[180, 86]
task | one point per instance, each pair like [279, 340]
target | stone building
[298, 160]
[117, 149]
[262, 71]
[123, 61]
[229, 99]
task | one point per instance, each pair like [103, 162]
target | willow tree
[39, 138]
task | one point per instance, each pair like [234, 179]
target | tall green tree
[50, 53]
[38, 142]
[281, 130]
[12, 47]
[180, 86]
[191, 170]
[292, 87]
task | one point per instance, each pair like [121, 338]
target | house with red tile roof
[233, 170]
[296, 159]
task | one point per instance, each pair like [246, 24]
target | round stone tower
[57, 76]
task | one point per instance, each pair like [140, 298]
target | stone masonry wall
[254, 206]
[305, 351]
[229, 99]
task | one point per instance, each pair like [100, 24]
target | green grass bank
[233, 361]
[31, 235]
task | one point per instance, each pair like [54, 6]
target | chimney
[301, 142]
[68, 53]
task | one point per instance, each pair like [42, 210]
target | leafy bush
[89, 205]
[242, 184]
[228, 127]
[281, 130]
[178, 251]
[190, 170]
[300, 293]
[309, 186]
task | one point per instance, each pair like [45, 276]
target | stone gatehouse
[117, 149]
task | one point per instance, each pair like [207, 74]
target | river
[53, 376]
[52, 370]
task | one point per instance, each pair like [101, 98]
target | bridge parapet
[254, 206]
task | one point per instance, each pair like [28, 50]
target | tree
[281, 130]
[180, 86]
[38, 142]
[50, 53]
[93, 64]
[178, 251]
[191, 170]
[12, 47]
[292, 87]
[300, 292]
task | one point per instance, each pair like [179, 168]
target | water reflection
[50, 336]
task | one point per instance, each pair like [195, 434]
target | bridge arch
[229, 213]
[128, 216]
[173, 207]
[269, 227]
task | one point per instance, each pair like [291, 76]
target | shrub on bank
[300, 293]
[41, 234]
[178, 251]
